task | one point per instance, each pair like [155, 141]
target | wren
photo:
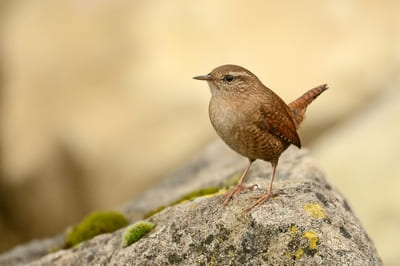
[254, 121]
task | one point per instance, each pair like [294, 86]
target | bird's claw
[260, 199]
[228, 196]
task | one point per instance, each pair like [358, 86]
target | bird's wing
[279, 123]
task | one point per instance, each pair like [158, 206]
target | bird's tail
[299, 106]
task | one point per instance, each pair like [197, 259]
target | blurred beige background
[97, 100]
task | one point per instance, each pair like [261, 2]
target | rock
[308, 223]
[370, 179]
[31, 251]
[72, 68]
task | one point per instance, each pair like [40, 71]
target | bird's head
[230, 79]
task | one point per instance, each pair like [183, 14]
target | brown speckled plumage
[252, 119]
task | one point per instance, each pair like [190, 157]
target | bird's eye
[228, 78]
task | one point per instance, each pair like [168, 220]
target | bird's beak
[203, 77]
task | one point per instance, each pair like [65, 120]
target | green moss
[135, 232]
[54, 249]
[232, 181]
[189, 196]
[95, 224]
[155, 211]
[196, 194]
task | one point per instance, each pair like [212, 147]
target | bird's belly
[237, 131]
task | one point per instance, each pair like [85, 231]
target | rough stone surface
[308, 223]
[31, 251]
[371, 140]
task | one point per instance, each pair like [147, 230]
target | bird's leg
[260, 199]
[239, 187]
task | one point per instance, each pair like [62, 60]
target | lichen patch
[299, 253]
[294, 229]
[315, 210]
[312, 238]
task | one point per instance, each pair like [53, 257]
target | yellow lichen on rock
[315, 210]
[294, 229]
[299, 253]
[312, 238]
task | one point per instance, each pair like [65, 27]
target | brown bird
[252, 120]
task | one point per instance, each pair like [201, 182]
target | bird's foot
[260, 199]
[228, 196]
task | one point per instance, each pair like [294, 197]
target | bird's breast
[226, 116]
[233, 122]
[230, 121]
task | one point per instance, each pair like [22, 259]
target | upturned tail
[299, 106]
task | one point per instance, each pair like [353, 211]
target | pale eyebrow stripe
[241, 73]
